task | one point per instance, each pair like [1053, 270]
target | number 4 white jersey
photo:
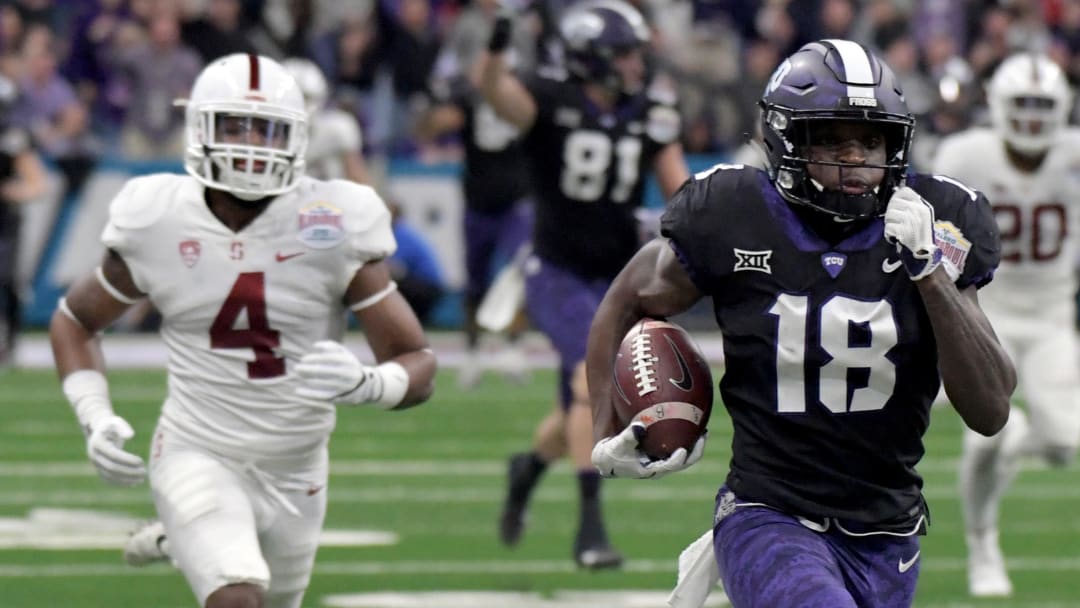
[240, 308]
[1037, 214]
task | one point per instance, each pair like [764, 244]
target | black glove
[500, 34]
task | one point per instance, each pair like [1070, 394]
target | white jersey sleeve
[139, 204]
[369, 236]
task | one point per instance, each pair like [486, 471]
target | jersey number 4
[249, 294]
[854, 335]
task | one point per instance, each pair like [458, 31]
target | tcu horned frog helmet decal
[596, 33]
[246, 127]
[833, 80]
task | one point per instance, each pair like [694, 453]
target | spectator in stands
[334, 137]
[48, 107]
[215, 31]
[349, 57]
[22, 179]
[411, 48]
[103, 27]
[159, 69]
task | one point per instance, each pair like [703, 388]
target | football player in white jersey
[253, 267]
[334, 138]
[1027, 165]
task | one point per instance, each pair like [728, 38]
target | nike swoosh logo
[282, 257]
[313, 490]
[905, 566]
[887, 266]
[686, 383]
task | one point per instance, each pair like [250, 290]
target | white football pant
[233, 522]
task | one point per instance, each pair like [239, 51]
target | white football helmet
[246, 127]
[311, 80]
[1029, 101]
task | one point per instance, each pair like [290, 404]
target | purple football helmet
[597, 32]
[833, 80]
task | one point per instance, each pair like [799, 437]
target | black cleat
[593, 552]
[512, 519]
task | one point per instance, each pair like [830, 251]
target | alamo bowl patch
[662, 124]
[321, 225]
[954, 247]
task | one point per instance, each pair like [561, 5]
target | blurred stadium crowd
[98, 77]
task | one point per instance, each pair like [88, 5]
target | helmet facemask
[843, 201]
[1031, 123]
[250, 149]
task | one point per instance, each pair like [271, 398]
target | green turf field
[434, 477]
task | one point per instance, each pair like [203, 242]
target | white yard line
[141, 351]
[413, 568]
[417, 468]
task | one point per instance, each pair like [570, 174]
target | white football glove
[105, 447]
[909, 223]
[331, 372]
[619, 456]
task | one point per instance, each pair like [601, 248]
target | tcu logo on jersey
[189, 252]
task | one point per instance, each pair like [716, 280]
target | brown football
[663, 381]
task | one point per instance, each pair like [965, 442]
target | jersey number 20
[249, 293]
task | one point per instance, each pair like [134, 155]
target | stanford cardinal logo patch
[189, 252]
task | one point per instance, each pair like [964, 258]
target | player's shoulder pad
[662, 94]
[362, 207]
[954, 152]
[552, 72]
[964, 226]
[144, 200]
[711, 190]
[948, 195]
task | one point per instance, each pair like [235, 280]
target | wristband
[390, 382]
[88, 393]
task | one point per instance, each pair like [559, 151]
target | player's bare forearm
[653, 284]
[978, 376]
[509, 98]
[87, 309]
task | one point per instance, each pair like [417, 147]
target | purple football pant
[768, 559]
[561, 305]
[492, 239]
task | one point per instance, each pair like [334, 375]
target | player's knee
[238, 595]
[1059, 456]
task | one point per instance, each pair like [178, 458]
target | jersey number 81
[588, 155]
